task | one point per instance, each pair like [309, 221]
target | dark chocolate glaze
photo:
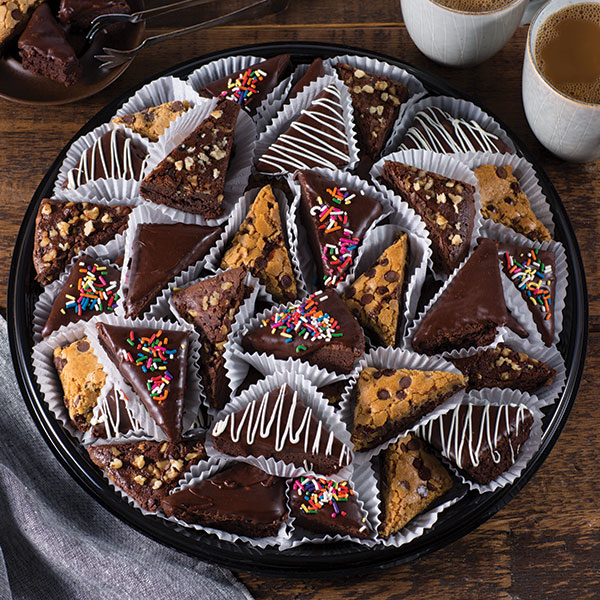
[169, 413]
[362, 212]
[315, 70]
[161, 252]
[276, 69]
[59, 314]
[118, 413]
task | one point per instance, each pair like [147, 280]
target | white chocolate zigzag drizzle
[112, 422]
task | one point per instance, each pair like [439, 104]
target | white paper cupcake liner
[203, 471]
[110, 192]
[312, 398]
[365, 491]
[443, 164]
[291, 111]
[223, 67]
[527, 451]
[526, 175]
[194, 392]
[240, 162]
[457, 108]
[394, 358]
[159, 306]
[128, 188]
[300, 237]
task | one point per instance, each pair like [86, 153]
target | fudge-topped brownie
[289, 431]
[376, 296]
[64, 229]
[470, 310]
[317, 138]
[192, 177]
[314, 71]
[79, 14]
[411, 480]
[45, 51]
[336, 219]
[115, 416]
[326, 506]
[319, 329]
[241, 499]
[260, 247]
[91, 288]
[447, 207]
[82, 378]
[112, 155]
[483, 441]
[503, 201]
[252, 85]
[437, 130]
[389, 401]
[160, 252]
[376, 100]
[147, 471]
[154, 363]
[211, 305]
[14, 15]
[504, 367]
[153, 121]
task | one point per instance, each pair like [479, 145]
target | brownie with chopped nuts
[411, 480]
[147, 471]
[79, 14]
[64, 229]
[376, 100]
[447, 207]
[504, 367]
[211, 305]
[192, 177]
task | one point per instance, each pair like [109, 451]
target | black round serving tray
[307, 560]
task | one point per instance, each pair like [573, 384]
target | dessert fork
[113, 58]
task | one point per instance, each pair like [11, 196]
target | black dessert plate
[307, 560]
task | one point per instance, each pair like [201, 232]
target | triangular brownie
[336, 219]
[319, 329]
[259, 245]
[147, 471]
[252, 85]
[192, 177]
[91, 288]
[153, 121]
[375, 297]
[411, 480]
[532, 272]
[241, 498]
[390, 401]
[289, 432]
[471, 308]
[376, 100]
[314, 71]
[447, 207]
[64, 229]
[482, 440]
[327, 506]
[317, 138]
[210, 305]
[154, 363]
[115, 416]
[504, 367]
[160, 252]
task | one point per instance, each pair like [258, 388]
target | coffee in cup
[474, 6]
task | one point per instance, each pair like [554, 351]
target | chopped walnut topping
[63, 229]
[92, 213]
[139, 461]
[88, 228]
[189, 162]
[368, 89]
[441, 198]
[106, 218]
[359, 73]
[116, 463]
[46, 209]
[456, 239]
[216, 114]
[218, 154]
[140, 479]
[179, 165]
[381, 85]
[156, 484]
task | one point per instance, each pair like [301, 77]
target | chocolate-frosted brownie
[115, 416]
[314, 71]
[153, 121]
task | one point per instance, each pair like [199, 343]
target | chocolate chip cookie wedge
[447, 206]
[260, 246]
[390, 401]
[64, 229]
[147, 471]
[376, 297]
[192, 177]
[411, 480]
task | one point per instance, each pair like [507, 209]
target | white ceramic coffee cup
[569, 128]
[457, 38]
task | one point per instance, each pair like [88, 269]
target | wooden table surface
[543, 544]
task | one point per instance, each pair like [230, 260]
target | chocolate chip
[388, 372]
[404, 484]
[400, 394]
[423, 491]
[515, 187]
[16, 14]
[509, 201]
[431, 487]
[391, 276]
[128, 119]
[424, 473]
[260, 262]
[377, 374]
[413, 444]
[403, 447]
[177, 106]
[501, 172]
[381, 290]
[350, 292]
[148, 116]
[383, 394]
[404, 382]
[286, 281]
[417, 462]
[366, 298]
[370, 273]
[83, 346]
[59, 363]
[384, 262]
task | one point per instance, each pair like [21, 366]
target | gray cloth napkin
[56, 542]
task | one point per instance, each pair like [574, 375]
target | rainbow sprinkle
[304, 320]
[95, 293]
[152, 355]
[245, 86]
[319, 493]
